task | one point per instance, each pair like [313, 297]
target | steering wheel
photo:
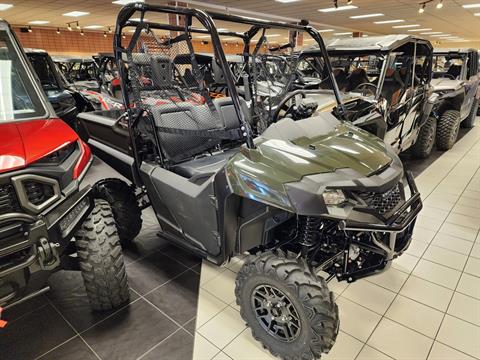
[365, 86]
[283, 103]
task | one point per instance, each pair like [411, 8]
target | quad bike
[50, 219]
[457, 93]
[304, 198]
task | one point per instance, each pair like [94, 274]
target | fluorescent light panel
[76, 13]
[441, 35]
[471, 6]
[477, 14]
[340, 8]
[125, 2]
[431, 33]
[4, 7]
[424, 29]
[389, 21]
[325, 30]
[343, 33]
[286, 1]
[39, 22]
[366, 16]
[93, 27]
[405, 26]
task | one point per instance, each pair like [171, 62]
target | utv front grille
[8, 200]
[383, 203]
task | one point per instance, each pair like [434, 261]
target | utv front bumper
[30, 246]
[391, 236]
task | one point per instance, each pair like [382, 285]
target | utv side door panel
[177, 201]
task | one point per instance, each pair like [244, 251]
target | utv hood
[290, 151]
[24, 142]
[445, 84]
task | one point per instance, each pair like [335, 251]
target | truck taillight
[83, 161]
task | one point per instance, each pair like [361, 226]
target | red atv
[49, 218]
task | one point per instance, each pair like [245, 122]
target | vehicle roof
[4, 24]
[373, 43]
[454, 50]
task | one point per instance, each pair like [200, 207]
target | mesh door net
[171, 83]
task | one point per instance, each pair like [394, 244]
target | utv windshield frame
[206, 20]
[43, 108]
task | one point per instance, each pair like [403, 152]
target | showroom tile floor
[426, 306]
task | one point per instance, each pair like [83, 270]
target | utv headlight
[59, 156]
[334, 197]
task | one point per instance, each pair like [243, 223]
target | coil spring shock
[308, 230]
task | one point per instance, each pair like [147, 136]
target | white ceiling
[451, 19]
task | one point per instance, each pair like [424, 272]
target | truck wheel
[426, 139]
[288, 308]
[469, 122]
[447, 129]
[123, 202]
[101, 260]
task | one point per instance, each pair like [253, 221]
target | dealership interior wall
[183, 301]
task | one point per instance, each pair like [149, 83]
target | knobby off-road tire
[469, 122]
[126, 211]
[447, 129]
[101, 260]
[426, 139]
[306, 295]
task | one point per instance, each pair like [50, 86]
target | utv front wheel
[426, 139]
[447, 129]
[123, 202]
[469, 122]
[101, 260]
[288, 308]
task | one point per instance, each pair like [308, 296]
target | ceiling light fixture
[123, 36]
[4, 7]
[286, 1]
[104, 34]
[82, 33]
[30, 29]
[125, 2]
[366, 16]
[69, 27]
[471, 6]
[421, 10]
[349, 2]
[39, 22]
[58, 31]
[405, 26]
[338, 8]
[109, 30]
[93, 27]
[431, 33]
[342, 33]
[440, 5]
[78, 26]
[325, 30]
[423, 29]
[441, 35]
[476, 14]
[388, 21]
[76, 13]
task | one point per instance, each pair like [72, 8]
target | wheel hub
[276, 313]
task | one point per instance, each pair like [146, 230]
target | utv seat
[180, 148]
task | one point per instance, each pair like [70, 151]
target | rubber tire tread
[448, 123]
[319, 308]
[101, 259]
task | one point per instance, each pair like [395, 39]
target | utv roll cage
[380, 46]
[206, 19]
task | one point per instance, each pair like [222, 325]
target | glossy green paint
[261, 173]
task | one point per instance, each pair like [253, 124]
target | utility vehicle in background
[66, 99]
[385, 84]
[456, 83]
[50, 219]
[309, 200]
[82, 72]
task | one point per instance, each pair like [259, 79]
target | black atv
[457, 92]
[50, 219]
[305, 197]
